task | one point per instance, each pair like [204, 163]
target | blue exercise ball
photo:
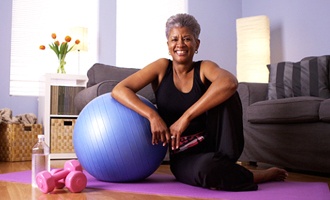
[113, 142]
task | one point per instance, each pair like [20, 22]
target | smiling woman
[32, 23]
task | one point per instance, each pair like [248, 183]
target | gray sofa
[292, 131]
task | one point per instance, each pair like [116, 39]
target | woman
[199, 113]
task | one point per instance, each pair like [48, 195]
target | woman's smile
[181, 52]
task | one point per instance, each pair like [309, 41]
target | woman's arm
[223, 85]
[125, 93]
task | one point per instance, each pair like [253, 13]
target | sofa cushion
[288, 110]
[100, 72]
[324, 110]
[309, 77]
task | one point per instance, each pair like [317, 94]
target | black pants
[212, 163]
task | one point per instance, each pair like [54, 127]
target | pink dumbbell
[60, 184]
[75, 179]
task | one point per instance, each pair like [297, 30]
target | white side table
[55, 103]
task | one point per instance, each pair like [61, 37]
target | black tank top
[172, 103]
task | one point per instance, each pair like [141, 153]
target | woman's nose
[180, 42]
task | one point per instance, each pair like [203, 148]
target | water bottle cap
[41, 136]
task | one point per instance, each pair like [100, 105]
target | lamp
[80, 33]
[253, 49]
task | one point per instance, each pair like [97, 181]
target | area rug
[161, 184]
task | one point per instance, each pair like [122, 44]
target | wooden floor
[17, 191]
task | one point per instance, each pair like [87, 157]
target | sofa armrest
[88, 94]
[252, 92]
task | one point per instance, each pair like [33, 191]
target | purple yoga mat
[162, 184]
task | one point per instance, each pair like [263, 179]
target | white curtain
[141, 30]
[33, 22]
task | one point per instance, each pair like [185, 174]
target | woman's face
[182, 44]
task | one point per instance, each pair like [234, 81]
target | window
[141, 30]
[33, 21]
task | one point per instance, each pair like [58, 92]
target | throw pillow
[309, 77]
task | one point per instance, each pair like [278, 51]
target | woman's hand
[176, 130]
[159, 130]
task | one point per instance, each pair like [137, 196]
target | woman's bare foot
[271, 174]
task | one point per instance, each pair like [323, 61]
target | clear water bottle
[40, 158]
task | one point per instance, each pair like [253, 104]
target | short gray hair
[183, 20]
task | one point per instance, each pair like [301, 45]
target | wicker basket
[61, 135]
[17, 140]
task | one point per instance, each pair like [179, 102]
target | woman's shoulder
[208, 63]
[156, 70]
[209, 70]
[165, 62]
[159, 64]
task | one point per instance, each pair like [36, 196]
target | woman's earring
[169, 53]
[196, 52]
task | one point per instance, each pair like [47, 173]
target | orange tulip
[61, 48]
[67, 38]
